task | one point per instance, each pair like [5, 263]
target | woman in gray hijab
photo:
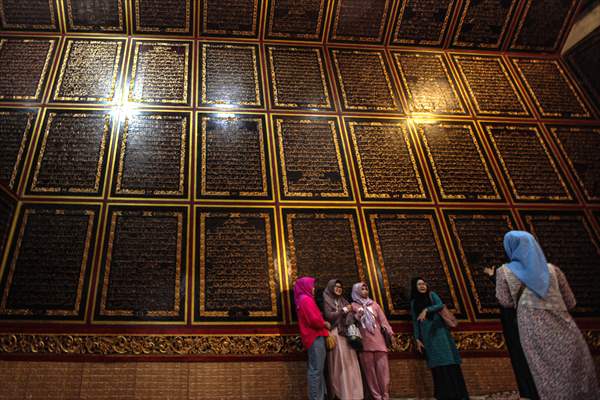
[345, 382]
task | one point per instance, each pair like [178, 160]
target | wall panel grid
[175, 166]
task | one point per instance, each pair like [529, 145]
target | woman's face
[338, 289]
[364, 291]
[421, 286]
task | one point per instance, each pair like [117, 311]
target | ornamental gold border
[553, 129]
[559, 37]
[271, 252]
[472, 133]
[401, 214]
[395, 40]
[41, 345]
[445, 68]
[348, 214]
[306, 36]
[53, 20]
[261, 123]
[273, 77]
[110, 244]
[514, 190]
[334, 127]
[72, 25]
[386, 74]
[457, 57]
[280, 268]
[391, 123]
[88, 247]
[44, 73]
[532, 92]
[25, 143]
[183, 155]
[101, 167]
[256, 70]
[463, 15]
[119, 44]
[450, 215]
[333, 36]
[13, 207]
[150, 345]
[204, 23]
[137, 44]
[528, 217]
[139, 28]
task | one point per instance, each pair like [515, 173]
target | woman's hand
[490, 271]
[327, 325]
[420, 346]
[360, 311]
[422, 315]
[345, 310]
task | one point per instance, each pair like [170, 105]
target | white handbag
[353, 331]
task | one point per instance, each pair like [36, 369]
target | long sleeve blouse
[310, 321]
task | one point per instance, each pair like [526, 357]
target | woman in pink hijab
[313, 331]
[374, 357]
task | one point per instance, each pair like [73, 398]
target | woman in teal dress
[433, 337]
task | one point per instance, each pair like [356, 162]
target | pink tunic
[373, 341]
[374, 358]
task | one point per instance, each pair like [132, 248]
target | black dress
[510, 329]
[449, 383]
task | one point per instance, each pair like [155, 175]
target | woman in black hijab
[433, 336]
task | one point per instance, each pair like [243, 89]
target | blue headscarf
[527, 261]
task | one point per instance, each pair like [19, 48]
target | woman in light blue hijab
[527, 261]
[556, 352]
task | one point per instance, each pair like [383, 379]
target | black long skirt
[449, 383]
[510, 328]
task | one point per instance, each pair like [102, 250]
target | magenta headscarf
[303, 287]
[368, 319]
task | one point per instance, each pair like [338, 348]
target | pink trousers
[377, 372]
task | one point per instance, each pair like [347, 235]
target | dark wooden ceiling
[518, 25]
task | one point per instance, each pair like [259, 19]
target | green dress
[440, 349]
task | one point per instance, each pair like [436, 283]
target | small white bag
[353, 331]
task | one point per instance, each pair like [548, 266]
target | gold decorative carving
[74, 311]
[390, 171]
[27, 63]
[222, 83]
[549, 87]
[73, 24]
[167, 29]
[152, 345]
[531, 171]
[490, 86]
[90, 71]
[43, 181]
[233, 158]
[160, 73]
[216, 345]
[491, 341]
[178, 266]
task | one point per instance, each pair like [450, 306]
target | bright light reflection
[225, 115]
[126, 110]
[423, 120]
